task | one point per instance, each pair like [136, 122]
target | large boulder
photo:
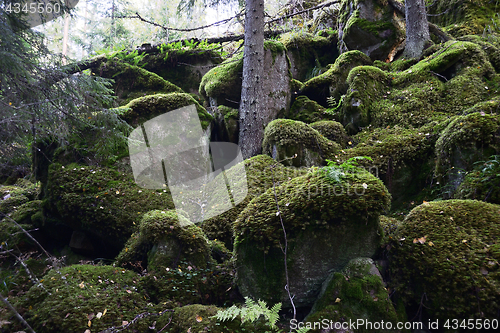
[355, 293]
[371, 26]
[327, 224]
[286, 138]
[308, 111]
[445, 258]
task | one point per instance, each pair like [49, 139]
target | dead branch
[14, 311]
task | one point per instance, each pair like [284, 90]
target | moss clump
[309, 54]
[333, 131]
[24, 212]
[73, 296]
[357, 292]
[466, 140]
[101, 201]
[144, 108]
[307, 111]
[316, 213]
[332, 82]
[259, 177]
[366, 84]
[165, 238]
[449, 250]
[285, 137]
[14, 196]
[224, 82]
[132, 82]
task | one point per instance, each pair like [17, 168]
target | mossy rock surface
[145, 108]
[309, 54]
[324, 220]
[333, 131]
[332, 82]
[131, 81]
[449, 251]
[357, 292]
[72, 298]
[260, 171]
[371, 26]
[166, 238]
[307, 111]
[24, 212]
[101, 201]
[285, 138]
[226, 128]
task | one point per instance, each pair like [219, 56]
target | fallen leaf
[199, 319]
[98, 315]
[124, 323]
[129, 291]
[337, 300]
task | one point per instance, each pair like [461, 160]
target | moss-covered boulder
[449, 251]
[81, 297]
[332, 82]
[14, 196]
[333, 131]
[307, 111]
[467, 139]
[261, 173]
[25, 212]
[286, 138]
[99, 201]
[164, 239]
[142, 109]
[482, 183]
[309, 54]
[131, 81]
[371, 26]
[327, 224]
[463, 17]
[357, 292]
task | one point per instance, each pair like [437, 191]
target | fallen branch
[14, 311]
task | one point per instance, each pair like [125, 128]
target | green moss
[333, 131]
[132, 82]
[72, 297]
[446, 249]
[285, 137]
[307, 111]
[259, 178]
[144, 108]
[24, 212]
[466, 140]
[332, 82]
[101, 201]
[357, 292]
[166, 238]
[275, 47]
[224, 82]
[227, 120]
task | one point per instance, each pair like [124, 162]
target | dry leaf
[98, 315]
[104, 312]
[337, 300]
[199, 319]
[124, 323]
[129, 291]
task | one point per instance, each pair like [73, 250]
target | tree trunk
[417, 28]
[251, 105]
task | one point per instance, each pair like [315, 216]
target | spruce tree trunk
[251, 105]
[417, 28]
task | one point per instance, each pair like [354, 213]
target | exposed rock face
[450, 250]
[326, 223]
[370, 26]
[356, 292]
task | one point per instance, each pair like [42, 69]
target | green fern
[251, 312]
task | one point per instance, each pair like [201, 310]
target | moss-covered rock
[480, 185]
[100, 201]
[24, 212]
[449, 252]
[226, 127]
[165, 238]
[356, 293]
[81, 297]
[332, 82]
[371, 26]
[14, 196]
[465, 140]
[327, 221]
[260, 171]
[463, 17]
[285, 138]
[307, 111]
[131, 81]
[309, 54]
[333, 131]
[142, 109]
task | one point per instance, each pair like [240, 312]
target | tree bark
[252, 94]
[417, 28]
